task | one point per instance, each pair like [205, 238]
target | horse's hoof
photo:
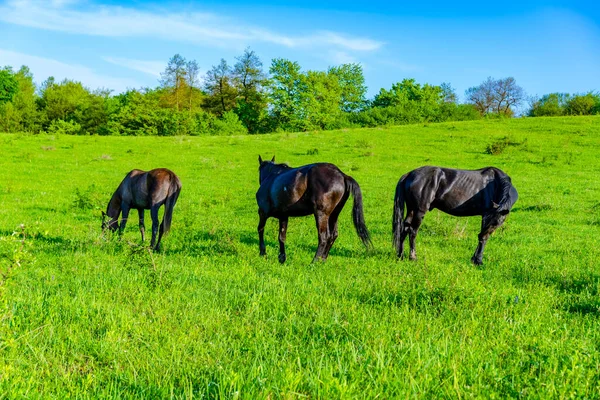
[412, 257]
[401, 256]
[476, 261]
[282, 258]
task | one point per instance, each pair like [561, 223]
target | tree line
[246, 98]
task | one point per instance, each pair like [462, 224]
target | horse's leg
[161, 230]
[322, 220]
[261, 234]
[414, 229]
[483, 236]
[333, 235]
[142, 226]
[154, 216]
[333, 224]
[404, 233]
[124, 216]
[283, 222]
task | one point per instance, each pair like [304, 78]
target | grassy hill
[83, 314]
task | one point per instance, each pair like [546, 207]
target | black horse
[143, 190]
[487, 192]
[320, 189]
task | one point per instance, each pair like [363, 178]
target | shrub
[498, 146]
[58, 126]
[583, 104]
[549, 105]
[228, 124]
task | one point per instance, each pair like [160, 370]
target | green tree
[286, 88]
[137, 113]
[582, 104]
[71, 102]
[320, 101]
[448, 93]
[173, 80]
[249, 80]
[21, 114]
[9, 85]
[221, 94]
[552, 104]
[409, 91]
[192, 72]
[351, 82]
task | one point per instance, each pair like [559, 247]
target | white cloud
[42, 68]
[341, 57]
[153, 68]
[201, 28]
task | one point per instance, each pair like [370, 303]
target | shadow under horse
[317, 189]
[143, 190]
[463, 193]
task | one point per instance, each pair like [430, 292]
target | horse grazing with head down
[142, 190]
[487, 192]
[319, 189]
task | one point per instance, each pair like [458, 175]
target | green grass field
[86, 315]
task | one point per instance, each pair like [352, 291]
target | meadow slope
[86, 315]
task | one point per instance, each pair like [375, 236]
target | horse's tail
[398, 218]
[358, 216]
[174, 189]
[508, 195]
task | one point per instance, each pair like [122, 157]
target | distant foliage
[244, 98]
[408, 102]
[496, 96]
[583, 104]
[62, 127]
[8, 85]
[498, 146]
[556, 104]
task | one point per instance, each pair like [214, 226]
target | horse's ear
[495, 205]
[259, 159]
[273, 159]
[103, 214]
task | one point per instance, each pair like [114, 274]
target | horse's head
[264, 168]
[496, 216]
[108, 222]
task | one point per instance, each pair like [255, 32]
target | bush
[413, 112]
[228, 124]
[497, 147]
[58, 126]
[549, 105]
[586, 104]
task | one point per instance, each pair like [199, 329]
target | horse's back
[458, 192]
[295, 191]
[145, 188]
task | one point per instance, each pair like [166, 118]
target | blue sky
[547, 46]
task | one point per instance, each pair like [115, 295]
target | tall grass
[83, 314]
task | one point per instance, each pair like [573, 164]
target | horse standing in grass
[319, 189]
[142, 190]
[487, 192]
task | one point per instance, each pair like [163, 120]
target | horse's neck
[114, 206]
[278, 170]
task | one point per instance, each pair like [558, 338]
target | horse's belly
[298, 209]
[141, 204]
